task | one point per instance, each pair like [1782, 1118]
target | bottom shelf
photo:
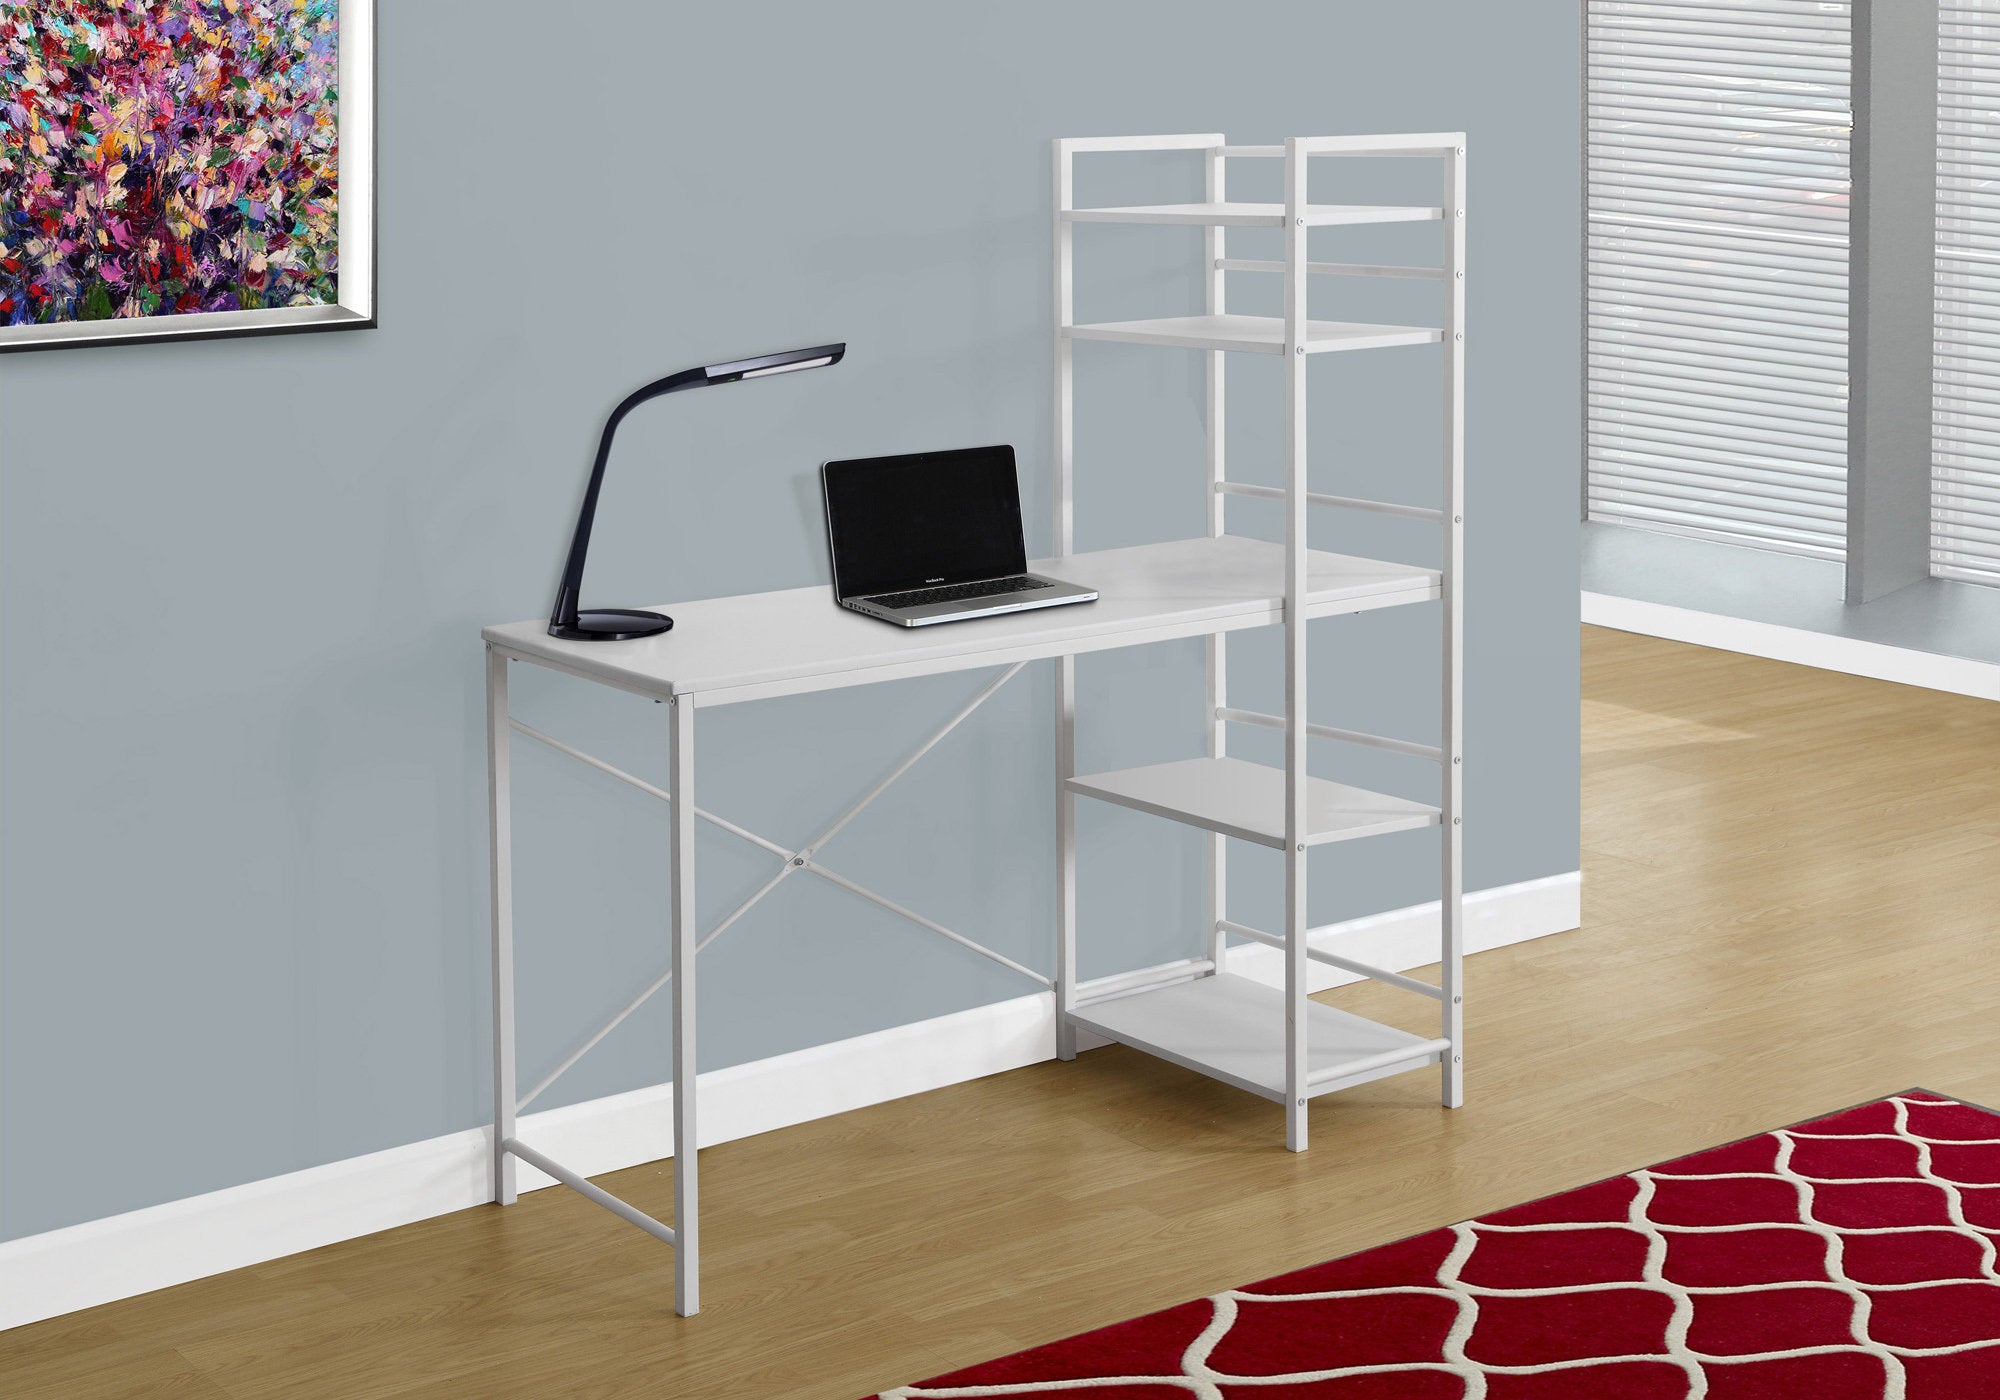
[1233, 1029]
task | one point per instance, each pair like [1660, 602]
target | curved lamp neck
[571, 586]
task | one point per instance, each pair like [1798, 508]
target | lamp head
[783, 363]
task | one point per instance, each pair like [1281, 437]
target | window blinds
[1965, 456]
[1717, 177]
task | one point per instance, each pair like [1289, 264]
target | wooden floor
[1791, 903]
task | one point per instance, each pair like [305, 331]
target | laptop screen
[925, 519]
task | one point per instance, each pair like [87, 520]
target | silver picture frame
[358, 245]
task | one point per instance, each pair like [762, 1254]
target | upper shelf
[1259, 334]
[1238, 215]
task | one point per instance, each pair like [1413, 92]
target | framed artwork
[174, 168]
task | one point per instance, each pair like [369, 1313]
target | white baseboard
[1405, 938]
[122, 1256]
[1824, 650]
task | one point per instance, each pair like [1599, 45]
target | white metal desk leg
[499, 809]
[687, 1235]
[1063, 541]
[1065, 858]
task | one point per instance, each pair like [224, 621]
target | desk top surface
[758, 645]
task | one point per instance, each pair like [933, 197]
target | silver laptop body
[933, 537]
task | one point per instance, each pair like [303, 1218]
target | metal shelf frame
[1216, 334]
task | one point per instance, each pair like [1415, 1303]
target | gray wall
[243, 860]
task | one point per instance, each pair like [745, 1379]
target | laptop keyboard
[952, 593]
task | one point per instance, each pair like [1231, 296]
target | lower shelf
[1247, 801]
[1233, 1029]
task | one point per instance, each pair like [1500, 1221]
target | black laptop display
[933, 537]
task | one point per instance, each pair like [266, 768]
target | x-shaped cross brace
[792, 860]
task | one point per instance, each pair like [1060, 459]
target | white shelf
[1247, 800]
[1239, 215]
[1233, 1029]
[1258, 334]
[763, 644]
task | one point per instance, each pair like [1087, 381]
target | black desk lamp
[622, 624]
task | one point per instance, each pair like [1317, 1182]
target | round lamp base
[611, 625]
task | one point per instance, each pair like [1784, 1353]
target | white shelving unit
[758, 646]
[1274, 1043]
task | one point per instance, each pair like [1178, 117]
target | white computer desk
[756, 646]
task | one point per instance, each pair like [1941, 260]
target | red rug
[1849, 1258]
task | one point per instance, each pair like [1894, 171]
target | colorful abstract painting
[166, 157]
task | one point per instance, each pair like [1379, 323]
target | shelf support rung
[1353, 146]
[1327, 731]
[1142, 979]
[1321, 955]
[1320, 498]
[1421, 1050]
[1328, 269]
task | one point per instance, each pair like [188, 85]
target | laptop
[933, 537]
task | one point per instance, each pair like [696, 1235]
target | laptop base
[1055, 595]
